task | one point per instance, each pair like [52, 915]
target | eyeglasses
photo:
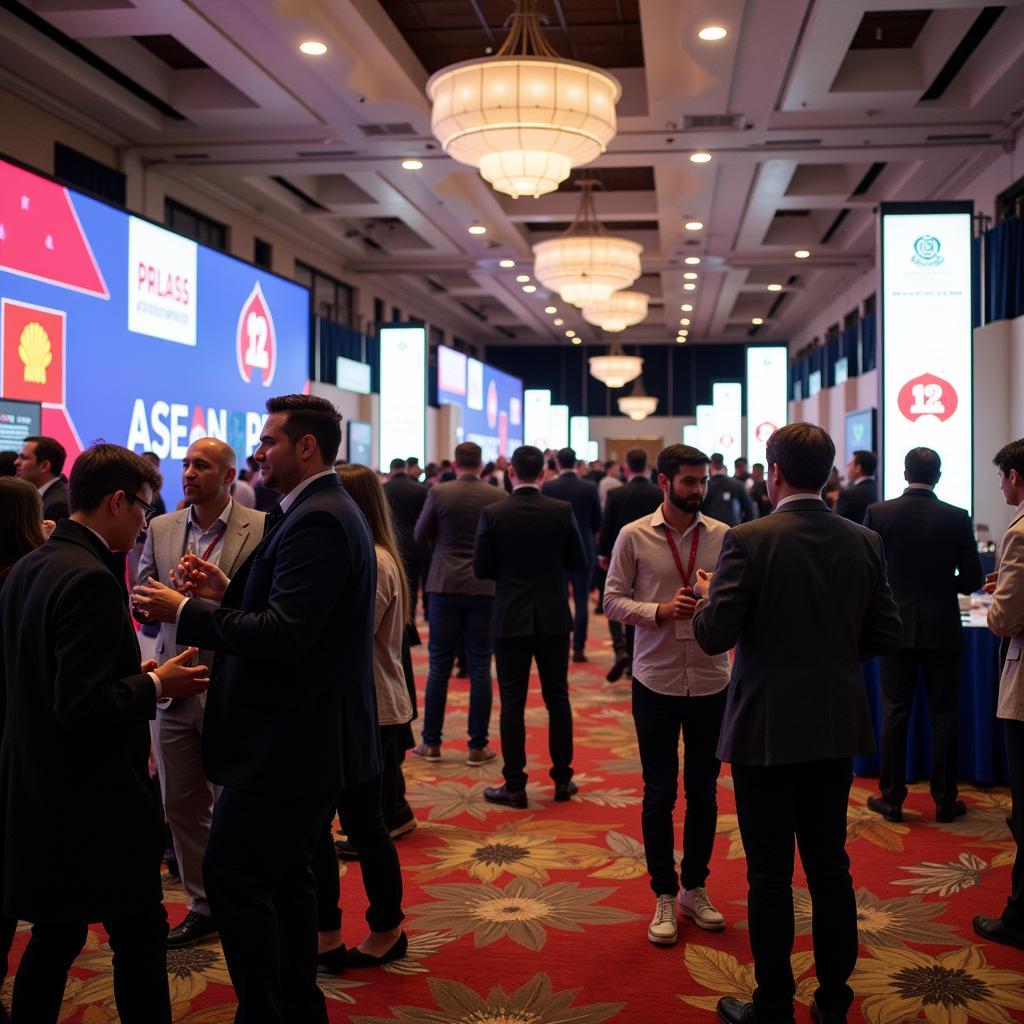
[148, 511]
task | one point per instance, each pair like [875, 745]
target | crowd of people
[719, 591]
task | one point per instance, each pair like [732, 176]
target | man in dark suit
[407, 497]
[727, 499]
[526, 544]
[460, 604]
[636, 498]
[932, 556]
[41, 463]
[861, 489]
[796, 712]
[582, 495]
[75, 707]
[289, 727]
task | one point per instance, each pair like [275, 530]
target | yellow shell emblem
[36, 352]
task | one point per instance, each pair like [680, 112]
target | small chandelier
[586, 264]
[619, 311]
[638, 405]
[525, 117]
[615, 369]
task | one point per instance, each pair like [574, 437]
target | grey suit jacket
[165, 543]
[1006, 619]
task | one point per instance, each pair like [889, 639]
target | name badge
[684, 629]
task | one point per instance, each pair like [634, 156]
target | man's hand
[200, 578]
[703, 583]
[149, 666]
[178, 678]
[157, 602]
[682, 606]
[48, 527]
[991, 581]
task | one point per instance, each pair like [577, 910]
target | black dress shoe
[355, 958]
[950, 812]
[333, 960]
[891, 812]
[733, 1011]
[819, 1016]
[619, 666]
[193, 929]
[578, 657]
[565, 791]
[997, 930]
[505, 796]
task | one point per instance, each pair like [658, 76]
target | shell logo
[35, 352]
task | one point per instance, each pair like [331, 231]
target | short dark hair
[636, 459]
[804, 452]
[308, 414]
[737, 461]
[868, 461]
[566, 458]
[923, 466]
[1011, 456]
[757, 465]
[468, 454]
[102, 470]
[412, 461]
[609, 463]
[49, 449]
[397, 464]
[717, 460]
[528, 462]
[673, 457]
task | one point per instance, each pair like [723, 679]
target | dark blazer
[926, 543]
[407, 498]
[55, 500]
[448, 521]
[74, 759]
[586, 506]
[853, 501]
[291, 707]
[526, 544]
[796, 692]
[727, 501]
[626, 504]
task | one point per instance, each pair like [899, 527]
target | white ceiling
[811, 117]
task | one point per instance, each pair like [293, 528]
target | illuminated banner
[537, 416]
[579, 435]
[767, 407]
[691, 435]
[706, 428]
[727, 402]
[403, 392]
[926, 338]
[559, 427]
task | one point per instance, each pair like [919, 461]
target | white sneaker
[663, 929]
[697, 906]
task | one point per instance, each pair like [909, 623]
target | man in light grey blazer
[223, 531]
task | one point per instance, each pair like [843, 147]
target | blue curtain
[832, 353]
[868, 341]
[848, 349]
[1004, 270]
[339, 340]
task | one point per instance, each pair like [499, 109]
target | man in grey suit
[219, 529]
[460, 604]
[796, 713]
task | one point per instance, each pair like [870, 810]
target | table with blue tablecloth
[981, 749]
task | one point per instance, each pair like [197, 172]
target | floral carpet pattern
[540, 916]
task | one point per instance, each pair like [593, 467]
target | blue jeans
[582, 581]
[455, 617]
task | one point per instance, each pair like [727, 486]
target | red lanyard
[675, 552]
[222, 528]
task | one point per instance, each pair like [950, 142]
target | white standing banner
[705, 428]
[927, 369]
[559, 427]
[767, 405]
[579, 435]
[691, 435]
[537, 417]
[403, 393]
[727, 402]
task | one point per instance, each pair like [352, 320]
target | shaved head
[214, 450]
[208, 471]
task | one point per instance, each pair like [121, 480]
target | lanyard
[675, 552]
[221, 529]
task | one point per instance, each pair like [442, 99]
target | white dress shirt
[198, 540]
[802, 496]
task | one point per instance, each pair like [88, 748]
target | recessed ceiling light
[681, 341]
[576, 341]
[712, 33]
[700, 158]
[690, 276]
[412, 165]
[313, 48]
[801, 254]
[686, 307]
[694, 225]
[570, 334]
[689, 287]
[692, 260]
[550, 309]
[506, 263]
[685, 321]
[558, 321]
[775, 287]
[522, 278]
[477, 229]
[757, 320]
[529, 288]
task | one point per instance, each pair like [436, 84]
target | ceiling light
[550, 309]
[686, 307]
[615, 369]
[775, 287]
[524, 117]
[700, 158]
[694, 225]
[638, 405]
[529, 288]
[412, 165]
[801, 254]
[757, 320]
[313, 48]
[477, 229]
[712, 33]
[576, 341]
[685, 321]
[689, 287]
[692, 260]
[680, 341]
[558, 321]
[690, 275]
[522, 278]
[619, 311]
[507, 264]
[570, 334]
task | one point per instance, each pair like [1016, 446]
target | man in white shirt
[675, 685]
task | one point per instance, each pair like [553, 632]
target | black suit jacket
[727, 501]
[526, 544]
[55, 500]
[407, 498]
[74, 759]
[586, 506]
[291, 707]
[796, 692]
[926, 543]
[853, 501]
[626, 504]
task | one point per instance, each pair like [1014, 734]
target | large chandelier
[638, 405]
[525, 117]
[615, 369]
[619, 311]
[586, 264]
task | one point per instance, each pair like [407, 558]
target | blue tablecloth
[982, 750]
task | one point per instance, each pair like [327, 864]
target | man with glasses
[75, 704]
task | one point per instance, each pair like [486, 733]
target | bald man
[225, 532]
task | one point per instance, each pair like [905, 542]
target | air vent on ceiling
[792, 213]
[870, 176]
[835, 225]
[435, 285]
[972, 39]
[792, 142]
[190, 156]
[305, 197]
[968, 137]
[696, 122]
[321, 154]
[372, 131]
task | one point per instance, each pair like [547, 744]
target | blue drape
[868, 341]
[1004, 270]
[339, 340]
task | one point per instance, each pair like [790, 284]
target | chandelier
[616, 368]
[638, 405]
[586, 264]
[619, 311]
[524, 117]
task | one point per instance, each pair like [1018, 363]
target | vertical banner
[727, 402]
[767, 405]
[537, 417]
[705, 428]
[559, 427]
[403, 392]
[927, 368]
[579, 435]
[691, 435]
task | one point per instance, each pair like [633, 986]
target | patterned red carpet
[540, 916]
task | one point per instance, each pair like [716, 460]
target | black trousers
[259, 882]
[139, 944]
[898, 676]
[8, 928]
[362, 820]
[1013, 914]
[776, 805]
[659, 719]
[395, 740]
[512, 658]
